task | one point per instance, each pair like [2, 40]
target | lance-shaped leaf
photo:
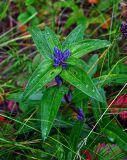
[111, 79]
[52, 39]
[77, 62]
[74, 138]
[75, 134]
[45, 41]
[81, 48]
[82, 81]
[41, 76]
[90, 68]
[78, 96]
[75, 36]
[116, 135]
[92, 65]
[50, 104]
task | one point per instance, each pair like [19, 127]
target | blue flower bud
[80, 114]
[67, 97]
[58, 80]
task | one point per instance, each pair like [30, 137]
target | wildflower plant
[62, 63]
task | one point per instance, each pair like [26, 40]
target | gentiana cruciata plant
[63, 65]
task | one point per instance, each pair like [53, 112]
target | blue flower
[58, 80]
[67, 97]
[123, 29]
[60, 57]
[80, 115]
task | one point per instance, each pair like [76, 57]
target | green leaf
[66, 4]
[29, 15]
[35, 21]
[116, 135]
[111, 79]
[82, 81]
[99, 108]
[120, 68]
[29, 2]
[78, 96]
[90, 68]
[77, 62]
[45, 41]
[111, 152]
[75, 36]
[37, 60]
[23, 17]
[50, 104]
[40, 41]
[81, 48]
[52, 39]
[92, 65]
[76, 17]
[41, 76]
[75, 134]
[31, 10]
[74, 138]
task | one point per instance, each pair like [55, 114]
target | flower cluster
[123, 29]
[60, 57]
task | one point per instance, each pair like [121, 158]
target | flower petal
[56, 62]
[67, 97]
[66, 54]
[58, 80]
[58, 53]
[80, 114]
